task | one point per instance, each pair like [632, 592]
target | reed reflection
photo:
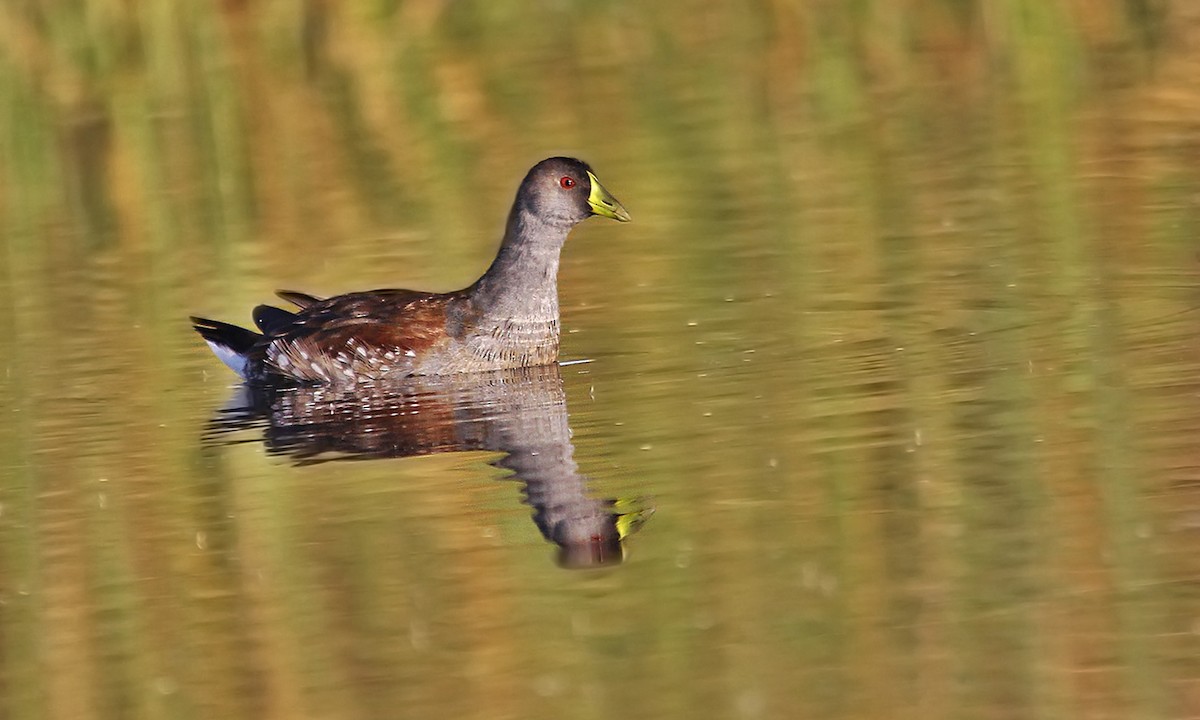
[521, 413]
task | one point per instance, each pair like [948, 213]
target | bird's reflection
[521, 413]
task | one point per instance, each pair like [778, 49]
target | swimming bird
[508, 318]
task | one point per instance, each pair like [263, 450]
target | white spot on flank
[362, 351]
[410, 353]
[282, 361]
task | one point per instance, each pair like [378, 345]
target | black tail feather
[270, 320]
[237, 339]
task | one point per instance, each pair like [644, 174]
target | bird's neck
[522, 283]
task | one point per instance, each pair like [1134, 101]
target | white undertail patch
[233, 360]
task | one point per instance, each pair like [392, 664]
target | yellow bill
[604, 204]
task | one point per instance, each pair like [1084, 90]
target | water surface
[895, 374]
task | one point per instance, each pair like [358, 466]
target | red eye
[567, 182]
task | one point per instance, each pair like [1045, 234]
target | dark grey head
[564, 192]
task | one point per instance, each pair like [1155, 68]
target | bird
[508, 318]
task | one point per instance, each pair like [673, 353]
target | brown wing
[298, 299]
[360, 336]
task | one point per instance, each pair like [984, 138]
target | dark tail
[230, 343]
[237, 339]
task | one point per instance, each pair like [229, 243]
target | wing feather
[362, 336]
[299, 299]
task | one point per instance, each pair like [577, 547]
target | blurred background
[902, 344]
